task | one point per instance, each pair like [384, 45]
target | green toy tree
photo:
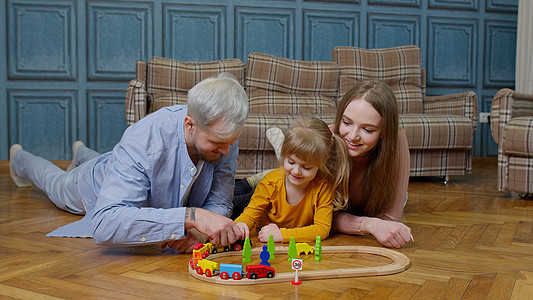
[318, 249]
[271, 246]
[292, 250]
[246, 251]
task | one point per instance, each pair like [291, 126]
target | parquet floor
[471, 242]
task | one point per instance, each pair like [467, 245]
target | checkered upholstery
[164, 82]
[169, 80]
[512, 130]
[439, 129]
[398, 67]
[278, 85]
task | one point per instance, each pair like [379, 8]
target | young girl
[296, 200]
[367, 120]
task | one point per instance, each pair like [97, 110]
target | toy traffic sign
[297, 264]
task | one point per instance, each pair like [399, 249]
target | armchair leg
[523, 195]
[447, 179]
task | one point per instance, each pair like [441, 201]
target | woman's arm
[385, 227]
[389, 233]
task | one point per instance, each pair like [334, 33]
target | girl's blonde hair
[312, 142]
[381, 176]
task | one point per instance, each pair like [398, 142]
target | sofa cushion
[437, 131]
[399, 67]
[169, 80]
[284, 86]
[518, 137]
[253, 136]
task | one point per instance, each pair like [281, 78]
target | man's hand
[219, 229]
[244, 229]
[183, 246]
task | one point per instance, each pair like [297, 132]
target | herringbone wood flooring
[471, 242]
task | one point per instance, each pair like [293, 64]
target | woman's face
[360, 127]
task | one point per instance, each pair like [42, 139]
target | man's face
[206, 145]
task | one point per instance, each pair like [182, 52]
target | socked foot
[19, 181]
[75, 147]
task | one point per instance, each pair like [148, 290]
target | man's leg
[59, 186]
[19, 181]
[81, 154]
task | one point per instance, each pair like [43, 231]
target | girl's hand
[244, 228]
[388, 233]
[270, 229]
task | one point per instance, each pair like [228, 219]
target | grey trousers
[60, 186]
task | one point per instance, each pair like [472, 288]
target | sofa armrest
[508, 104]
[140, 70]
[462, 104]
[136, 105]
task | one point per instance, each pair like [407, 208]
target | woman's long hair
[311, 141]
[380, 179]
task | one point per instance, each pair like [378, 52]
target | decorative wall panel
[119, 34]
[488, 145]
[452, 52]
[42, 40]
[43, 121]
[500, 37]
[264, 30]
[66, 64]
[325, 30]
[385, 31]
[106, 119]
[502, 5]
[454, 4]
[415, 3]
[205, 43]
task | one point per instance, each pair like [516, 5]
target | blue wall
[65, 64]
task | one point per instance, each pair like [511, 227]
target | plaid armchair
[439, 129]
[511, 121]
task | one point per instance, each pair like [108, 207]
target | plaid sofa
[511, 121]
[280, 91]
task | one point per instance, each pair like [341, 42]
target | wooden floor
[471, 242]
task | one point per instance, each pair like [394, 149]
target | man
[172, 171]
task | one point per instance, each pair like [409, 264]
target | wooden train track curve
[400, 263]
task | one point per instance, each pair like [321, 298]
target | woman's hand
[270, 229]
[389, 233]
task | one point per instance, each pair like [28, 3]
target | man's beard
[208, 160]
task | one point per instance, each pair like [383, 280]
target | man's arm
[219, 229]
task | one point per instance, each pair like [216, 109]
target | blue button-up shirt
[134, 194]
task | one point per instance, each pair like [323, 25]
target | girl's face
[298, 171]
[360, 127]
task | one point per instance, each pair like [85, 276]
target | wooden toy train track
[400, 263]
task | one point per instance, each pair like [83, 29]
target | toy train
[210, 268]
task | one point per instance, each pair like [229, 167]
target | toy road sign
[297, 264]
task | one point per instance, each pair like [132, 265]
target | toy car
[259, 271]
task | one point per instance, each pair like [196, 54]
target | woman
[367, 119]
